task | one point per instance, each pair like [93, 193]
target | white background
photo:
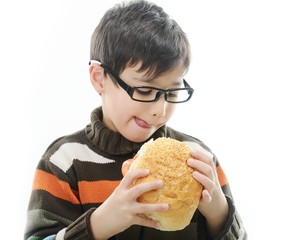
[246, 71]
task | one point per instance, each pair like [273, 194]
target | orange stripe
[221, 176]
[97, 191]
[58, 188]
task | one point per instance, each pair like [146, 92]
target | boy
[139, 56]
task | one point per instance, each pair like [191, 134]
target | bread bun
[166, 158]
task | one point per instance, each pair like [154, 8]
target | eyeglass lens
[149, 94]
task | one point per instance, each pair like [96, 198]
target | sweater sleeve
[233, 228]
[80, 229]
[55, 210]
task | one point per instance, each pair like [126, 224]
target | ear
[97, 77]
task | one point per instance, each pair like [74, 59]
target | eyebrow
[176, 84]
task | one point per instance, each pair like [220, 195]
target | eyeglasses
[151, 94]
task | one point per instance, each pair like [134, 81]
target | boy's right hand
[121, 209]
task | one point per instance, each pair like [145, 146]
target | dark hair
[140, 31]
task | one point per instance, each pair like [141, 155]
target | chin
[138, 138]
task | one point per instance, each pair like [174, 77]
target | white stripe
[195, 145]
[64, 156]
[241, 234]
[60, 235]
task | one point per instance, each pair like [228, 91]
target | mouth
[141, 123]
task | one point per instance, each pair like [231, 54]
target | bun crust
[166, 158]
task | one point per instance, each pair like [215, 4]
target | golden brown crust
[166, 159]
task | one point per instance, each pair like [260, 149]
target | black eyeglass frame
[130, 90]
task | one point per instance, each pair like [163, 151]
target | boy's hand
[213, 204]
[121, 209]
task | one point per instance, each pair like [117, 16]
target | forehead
[172, 77]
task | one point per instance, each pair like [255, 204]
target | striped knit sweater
[78, 172]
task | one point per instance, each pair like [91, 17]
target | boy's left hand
[213, 204]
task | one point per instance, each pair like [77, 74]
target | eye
[144, 91]
[173, 94]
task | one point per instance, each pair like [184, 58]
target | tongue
[142, 123]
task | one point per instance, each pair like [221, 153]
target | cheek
[122, 106]
[117, 98]
[170, 111]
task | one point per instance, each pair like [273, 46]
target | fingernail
[193, 150]
[195, 174]
[165, 206]
[157, 225]
[159, 183]
[190, 161]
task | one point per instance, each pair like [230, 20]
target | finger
[201, 153]
[143, 220]
[203, 156]
[201, 167]
[149, 208]
[206, 197]
[207, 183]
[125, 167]
[132, 175]
[141, 188]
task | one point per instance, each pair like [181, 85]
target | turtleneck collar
[113, 142]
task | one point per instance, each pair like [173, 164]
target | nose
[159, 107]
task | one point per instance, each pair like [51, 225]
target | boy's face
[137, 121]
